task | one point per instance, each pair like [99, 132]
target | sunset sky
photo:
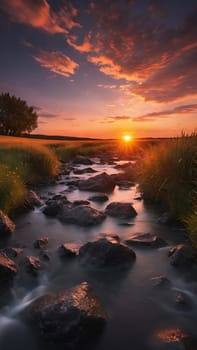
[102, 68]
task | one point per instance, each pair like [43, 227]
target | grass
[167, 176]
[12, 190]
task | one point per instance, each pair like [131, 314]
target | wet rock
[83, 215]
[181, 256]
[41, 243]
[8, 269]
[99, 198]
[173, 339]
[146, 240]
[45, 255]
[65, 252]
[33, 199]
[125, 224]
[12, 252]
[120, 210]
[84, 171]
[123, 166]
[54, 205]
[99, 183]
[105, 254]
[82, 160]
[32, 264]
[6, 225]
[73, 318]
[80, 202]
[139, 198]
[125, 184]
[161, 282]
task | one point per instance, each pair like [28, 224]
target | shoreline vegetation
[166, 170]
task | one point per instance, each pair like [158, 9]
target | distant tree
[16, 117]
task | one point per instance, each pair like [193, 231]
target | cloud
[107, 86]
[167, 113]
[39, 14]
[57, 62]
[151, 46]
[69, 119]
[113, 119]
[47, 115]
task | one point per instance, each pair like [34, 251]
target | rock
[125, 184]
[146, 240]
[32, 264]
[65, 252]
[33, 199]
[103, 254]
[98, 183]
[123, 166]
[54, 205]
[41, 243]
[99, 198]
[126, 224]
[173, 339]
[181, 256]
[139, 198]
[165, 219]
[161, 282]
[8, 269]
[82, 160]
[84, 171]
[83, 215]
[72, 318]
[11, 252]
[120, 210]
[6, 225]
[45, 255]
[80, 202]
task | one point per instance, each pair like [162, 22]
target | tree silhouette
[16, 116]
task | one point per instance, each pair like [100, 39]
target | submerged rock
[54, 205]
[99, 183]
[72, 318]
[41, 243]
[120, 210]
[6, 225]
[8, 269]
[83, 215]
[99, 198]
[181, 256]
[146, 240]
[32, 264]
[161, 282]
[80, 202]
[103, 253]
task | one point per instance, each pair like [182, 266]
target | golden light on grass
[127, 138]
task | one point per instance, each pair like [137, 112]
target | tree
[16, 116]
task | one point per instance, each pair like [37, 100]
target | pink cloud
[57, 63]
[39, 14]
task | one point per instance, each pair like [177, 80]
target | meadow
[165, 170]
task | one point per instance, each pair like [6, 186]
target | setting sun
[127, 138]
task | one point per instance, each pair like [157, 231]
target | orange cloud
[57, 63]
[39, 14]
[86, 45]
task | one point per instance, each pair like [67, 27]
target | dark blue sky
[102, 68]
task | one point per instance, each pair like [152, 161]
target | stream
[135, 308]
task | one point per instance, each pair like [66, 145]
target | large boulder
[83, 215]
[8, 269]
[120, 210]
[99, 183]
[100, 198]
[103, 254]
[84, 171]
[72, 318]
[6, 225]
[181, 256]
[54, 205]
[146, 240]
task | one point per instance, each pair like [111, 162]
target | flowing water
[135, 308]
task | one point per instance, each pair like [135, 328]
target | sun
[127, 138]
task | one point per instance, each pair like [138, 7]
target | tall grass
[167, 176]
[31, 163]
[12, 189]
